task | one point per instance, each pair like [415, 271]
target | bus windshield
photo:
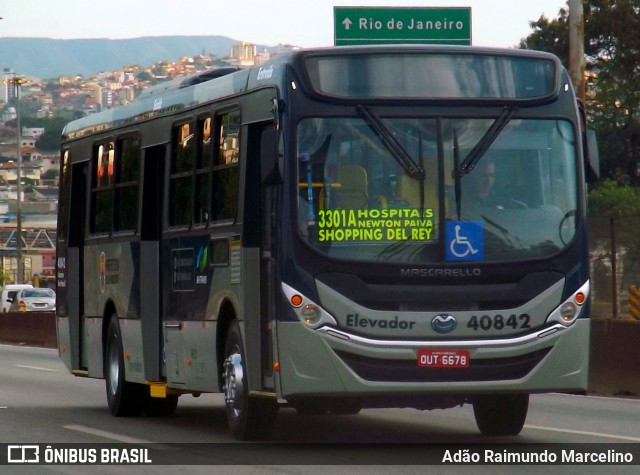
[358, 200]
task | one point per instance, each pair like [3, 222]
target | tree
[144, 76]
[4, 277]
[612, 47]
[612, 29]
[550, 35]
[51, 139]
[610, 199]
[7, 134]
[51, 174]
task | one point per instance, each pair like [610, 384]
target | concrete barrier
[614, 358]
[29, 328]
[614, 367]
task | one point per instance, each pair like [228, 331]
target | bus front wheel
[124, 398]
[501, 414]
[249, 417]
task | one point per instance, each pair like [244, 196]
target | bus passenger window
[128, 173]
[102, 189]
[181, 185]
[225, 168]
[203, 171]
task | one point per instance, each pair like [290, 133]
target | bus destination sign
[404, 25]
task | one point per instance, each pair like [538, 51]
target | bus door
[259, 232]
[75, 263]
[150, 252]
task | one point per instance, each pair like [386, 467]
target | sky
[305, 23]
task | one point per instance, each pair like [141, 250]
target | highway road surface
[42, 404]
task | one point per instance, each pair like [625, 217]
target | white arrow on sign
[347, 23]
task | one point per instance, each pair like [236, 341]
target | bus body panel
[66, 348]
[191, 356]
[133, 347]
[150, 309]
[470, 324]
[112, 275]
[92, 342]
[310, 366]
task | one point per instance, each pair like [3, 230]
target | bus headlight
[309, 313]
[570, 309]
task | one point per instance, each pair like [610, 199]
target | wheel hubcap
[114, 368]
[234, 383]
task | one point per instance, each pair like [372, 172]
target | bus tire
[501, 414]
[124, 398]
[249, 417]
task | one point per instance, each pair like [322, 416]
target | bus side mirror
[592, 157]
[269, 158]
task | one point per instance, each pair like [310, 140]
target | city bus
[305, 234]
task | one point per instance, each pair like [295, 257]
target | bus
[305, 234]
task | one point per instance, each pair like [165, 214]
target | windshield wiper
[476, 153]
[407, 163]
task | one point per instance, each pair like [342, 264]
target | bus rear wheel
[249, 417]
[501, 414]
[124, 398]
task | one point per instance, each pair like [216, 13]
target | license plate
[443, 358]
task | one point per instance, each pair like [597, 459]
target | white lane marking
[108, 435]
[581, 432]
[39, 368]
[633, 399]
[118, 437]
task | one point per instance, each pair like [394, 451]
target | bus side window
[204, 158]
[127, 178]
[102, 188]
[225, 168]
[181, 182]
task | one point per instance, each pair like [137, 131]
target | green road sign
[391, 25]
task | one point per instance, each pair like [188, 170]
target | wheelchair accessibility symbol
[465, 241]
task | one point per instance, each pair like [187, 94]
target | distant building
[7, 89]
[107, 98]
[244, 53]
[34, 132]
[28, 170]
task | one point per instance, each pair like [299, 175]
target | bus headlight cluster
[309, 313]
[571, 308]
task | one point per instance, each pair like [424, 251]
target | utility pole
[17, 82]
[19, 269]
[576, 47]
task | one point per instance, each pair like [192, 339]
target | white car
[8, 293]
[34, 300]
